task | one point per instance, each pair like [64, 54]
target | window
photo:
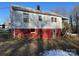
[52, 19]
[25, 18]
[55, 19]
[40, 18]
[32, 30]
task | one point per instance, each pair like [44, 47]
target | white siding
[25, 24]
[47, 21]
[33, 20]
[59, 22]
[53, 24]
[17, 21]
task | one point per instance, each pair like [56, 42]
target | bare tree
[71, 23]
[75, 18]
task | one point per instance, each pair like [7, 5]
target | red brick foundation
[44, 33]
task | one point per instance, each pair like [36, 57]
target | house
[5, 25]
[33, 24]
[2, 26]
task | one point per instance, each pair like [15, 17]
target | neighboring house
[30, 23]
[7, 24]
[0, 26]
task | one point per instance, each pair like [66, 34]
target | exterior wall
[59, 22]
[45, 33]
[24, 33]
[17, 21]
[21, 29]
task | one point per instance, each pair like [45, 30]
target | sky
[5, 7]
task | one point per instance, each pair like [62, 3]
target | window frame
[53, 19]
[40, 18]
[25, 19]
[32, 30]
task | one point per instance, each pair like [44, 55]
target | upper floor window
[53, 19]
[40, 18]
[25, 18]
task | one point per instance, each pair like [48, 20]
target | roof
[21, 8]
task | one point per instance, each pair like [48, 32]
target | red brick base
[44, 33]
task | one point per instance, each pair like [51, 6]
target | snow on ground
[71, 34]
[57, 53]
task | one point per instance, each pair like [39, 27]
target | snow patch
[57, 53]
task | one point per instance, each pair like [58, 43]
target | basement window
[32, 30]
